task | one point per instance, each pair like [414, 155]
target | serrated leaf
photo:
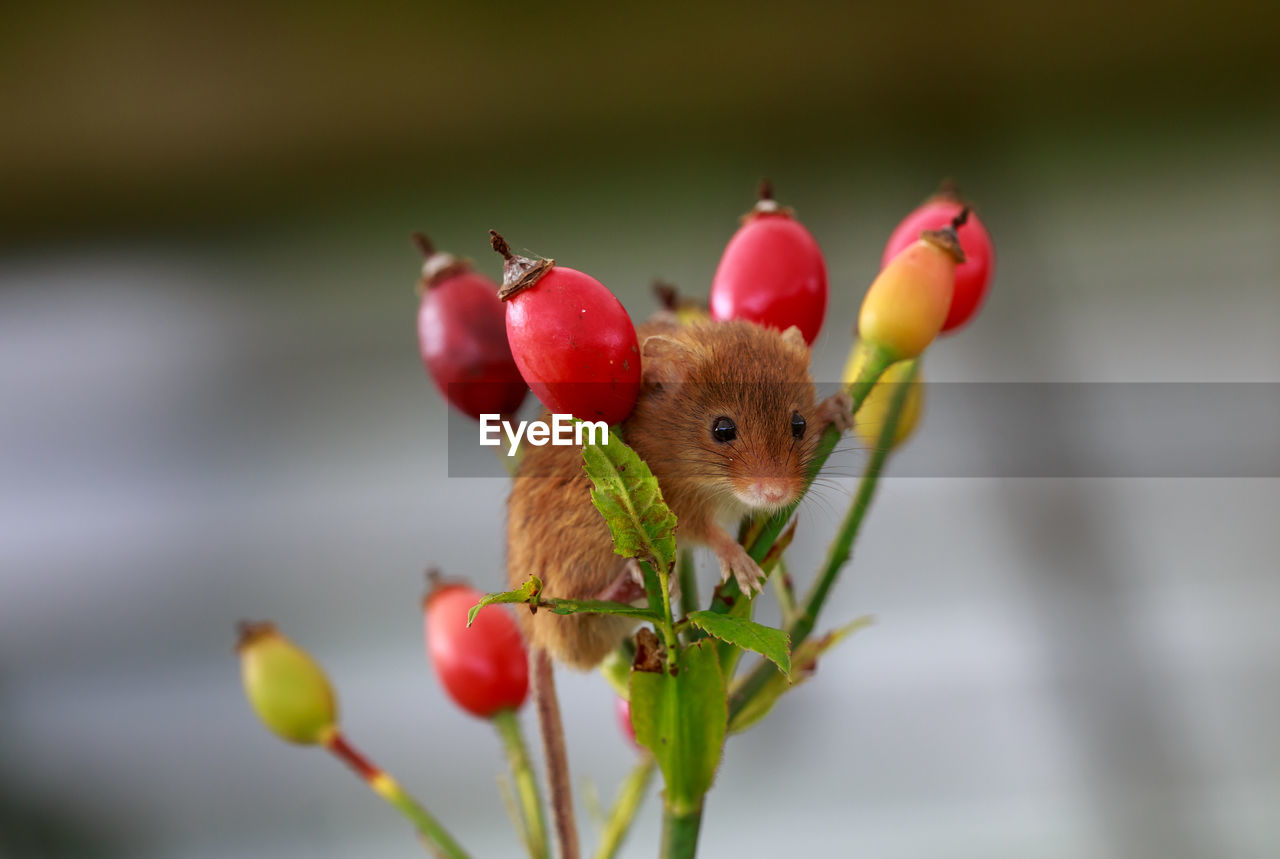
[682, 719]
[772, 644]
[626, 493]
[560, 606]
[527, 591]
[730, 654]
[804, 660]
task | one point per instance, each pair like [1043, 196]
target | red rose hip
[973, 276]
[572, 339]
[772, 272]
[462, 336]
[484, 668]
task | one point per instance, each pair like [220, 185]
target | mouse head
[728, 410]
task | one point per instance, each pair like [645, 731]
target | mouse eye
[797, 425]
[724, 429]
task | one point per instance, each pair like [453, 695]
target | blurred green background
[213, 406]
[140, 115]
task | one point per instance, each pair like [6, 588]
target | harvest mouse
[727, 421]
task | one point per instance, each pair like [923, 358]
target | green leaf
[561, 606]
[682, 719]
[531, 592]
[804, 661]
[626, 493]
[525, 593]
[741, 608]
[772, 644]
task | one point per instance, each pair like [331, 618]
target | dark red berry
[462, 337]
[572, 339]
[772, 272]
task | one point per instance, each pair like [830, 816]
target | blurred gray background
[213, 407]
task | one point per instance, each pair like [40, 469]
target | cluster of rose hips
[563, 334]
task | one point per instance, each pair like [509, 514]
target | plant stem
[688, 579]
[841, 548]
[680, 832]
[782, 588]
[535, 827]
[557, 756]
[434, 836]
[667, 622]
[630, 796]
[512, 808]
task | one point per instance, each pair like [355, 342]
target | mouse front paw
[627, 586]
[735, 561]
[837, 410]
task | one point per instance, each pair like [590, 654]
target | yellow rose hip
[908, 302]
[869, 420]
[285, 686]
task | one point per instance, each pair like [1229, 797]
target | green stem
[434, 836]
[841, 548]
[667, 622]
[688, 579]
[680, 832]
[782, 589]
[623, 813]
[431, 830]
[534, 822]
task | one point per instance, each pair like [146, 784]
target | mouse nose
[768, 492]
[771, 492]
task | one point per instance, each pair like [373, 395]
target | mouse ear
[663, 358]
[793, 337]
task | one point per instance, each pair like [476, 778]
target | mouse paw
[627, 586]
[634, 571]
[637, 576]
[837, 410]
[746, 572]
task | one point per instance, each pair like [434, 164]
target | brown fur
[693, 374]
